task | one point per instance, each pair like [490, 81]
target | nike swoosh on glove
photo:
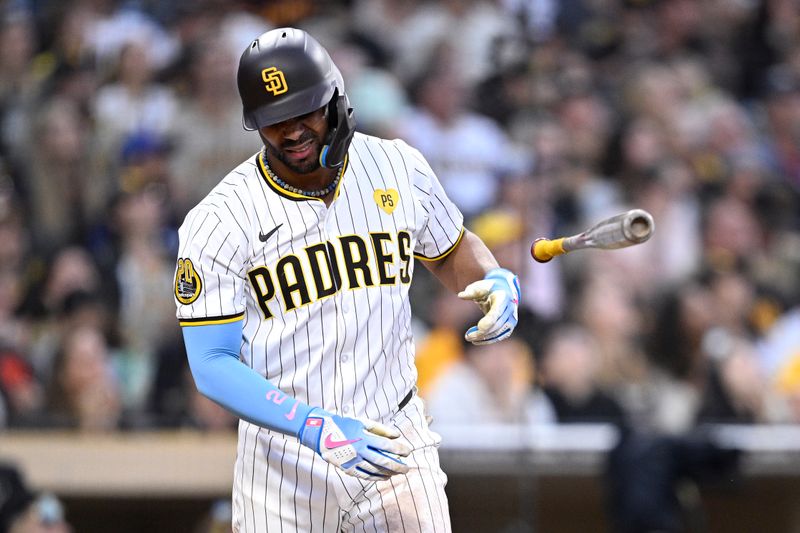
[362, 448]
[497, 295]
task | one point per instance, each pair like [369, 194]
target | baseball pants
[282, 486]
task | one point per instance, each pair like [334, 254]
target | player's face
[297, 142]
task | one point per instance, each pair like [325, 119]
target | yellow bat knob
[543, 250]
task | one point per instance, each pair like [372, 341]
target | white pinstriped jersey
[323, 290]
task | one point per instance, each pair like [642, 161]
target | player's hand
[498, 297]
[362, 448]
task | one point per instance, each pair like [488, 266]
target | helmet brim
[291, 106]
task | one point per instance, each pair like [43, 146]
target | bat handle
[543, 250]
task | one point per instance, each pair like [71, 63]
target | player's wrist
[505, 276]
[309, 432]
[320, 422]
[498, 272]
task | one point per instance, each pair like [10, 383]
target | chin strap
[323, 154]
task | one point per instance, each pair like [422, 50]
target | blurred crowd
[540, 117]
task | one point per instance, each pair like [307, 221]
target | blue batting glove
[498, 297]
[362, 448]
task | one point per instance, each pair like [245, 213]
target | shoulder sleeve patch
[187, 282]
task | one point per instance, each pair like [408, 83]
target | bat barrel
[620, 231]
[637, 226]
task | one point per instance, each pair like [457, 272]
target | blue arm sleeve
[219, 375]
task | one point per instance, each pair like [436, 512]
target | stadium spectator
[132, 104]
[570, 379]
[441, 345]
[469, 152]
[64, 197]
[21, 393]
[375, 92]
[13, 261]
[19, 83]
[50, 300]
[490, 385]
[84, 390]
[143, 267]
[606, 307]
[209, 120]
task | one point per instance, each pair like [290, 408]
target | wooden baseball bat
[626, 229]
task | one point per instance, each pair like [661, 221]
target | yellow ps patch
[387, 200]
[187, 282]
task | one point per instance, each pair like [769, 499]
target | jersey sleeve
[211, 267]
[444, 222]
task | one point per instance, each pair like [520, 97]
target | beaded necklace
[320, 193]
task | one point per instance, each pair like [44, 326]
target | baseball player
[292, 288]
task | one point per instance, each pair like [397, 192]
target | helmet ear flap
[341, 127]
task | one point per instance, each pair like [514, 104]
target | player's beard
[304, 166]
